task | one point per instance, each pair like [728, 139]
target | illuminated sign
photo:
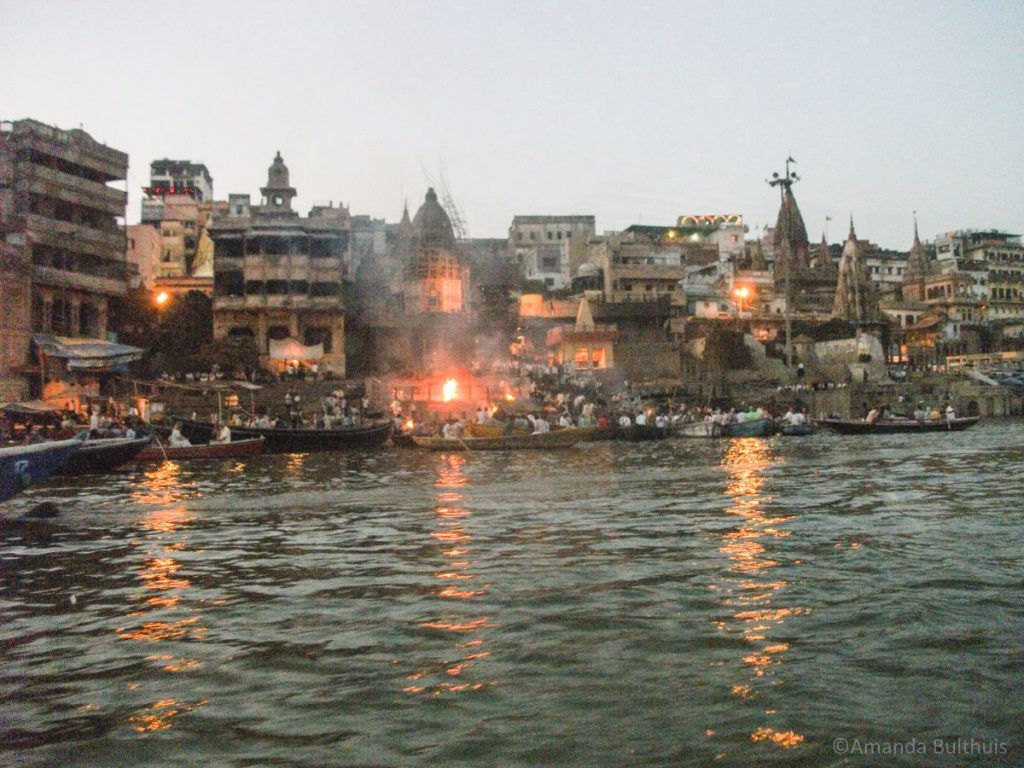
[160, 190]
[711, 220]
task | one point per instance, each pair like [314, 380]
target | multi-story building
[995, 261]
[549, 249]
[646, 263]
[278, 277]
[179, 205]
[62, 227]
[179, 178]
[145, 247]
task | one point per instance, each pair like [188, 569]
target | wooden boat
[492, 430]
[563, 438]
[23, 465]
[755, 428]
[104, 454]
[234, 449]
[897, 426]
[636, 433]
[796, 430]
[698, 429]
[294, 440]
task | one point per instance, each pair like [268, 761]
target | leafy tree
[236, 356]
[184, 331]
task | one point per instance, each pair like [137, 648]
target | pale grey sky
[631, 111]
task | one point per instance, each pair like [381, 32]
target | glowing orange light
[510, 397]
[741, 292]
[449, 390]
[162, 297]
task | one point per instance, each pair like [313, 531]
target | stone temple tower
[856, 300]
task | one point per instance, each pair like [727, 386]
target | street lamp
[161, 298]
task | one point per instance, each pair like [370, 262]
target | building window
[324, 289]
[278, 332]
[550, 236]
[582, 358]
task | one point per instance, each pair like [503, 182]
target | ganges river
[822, 601]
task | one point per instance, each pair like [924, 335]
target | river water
[791, 601]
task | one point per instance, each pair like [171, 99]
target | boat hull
[296, 440]
[797, 430]
[563, 438]
[24, 465]
[104, 454]
[896, 427]
[234, 449]
[638, 433]
[758, 428]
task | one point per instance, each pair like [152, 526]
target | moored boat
[234, 449]
[637, 433]
[897, 426]
[563, 438]
[796, 430]
[289, 440]
[23, 465]
[698, 429]
[754, 428]
[104, 454]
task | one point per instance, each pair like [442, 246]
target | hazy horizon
[631, 114]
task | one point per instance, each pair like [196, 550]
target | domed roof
[431, 226]
[588, 270]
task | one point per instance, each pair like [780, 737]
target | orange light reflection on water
[451, 519]
[162, 609]
[749, 590]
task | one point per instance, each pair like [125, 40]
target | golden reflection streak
[751, 597]
[160, 714]
[164, 584]
[451, 520]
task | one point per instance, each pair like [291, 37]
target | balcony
[75, 147]
[59, 278]
[64, 234]
[74, 189]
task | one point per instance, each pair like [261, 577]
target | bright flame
[409, 425]
[449, 390]
[510, 397]
[161, 298]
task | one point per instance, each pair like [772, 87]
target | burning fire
[510, 397]
[409, 425]
[450, 389]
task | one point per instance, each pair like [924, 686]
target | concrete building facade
[549, 249]
[278, 277]
[63, 240]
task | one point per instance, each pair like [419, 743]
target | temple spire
[856, 300]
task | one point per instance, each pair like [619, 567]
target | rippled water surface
[743, 602]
